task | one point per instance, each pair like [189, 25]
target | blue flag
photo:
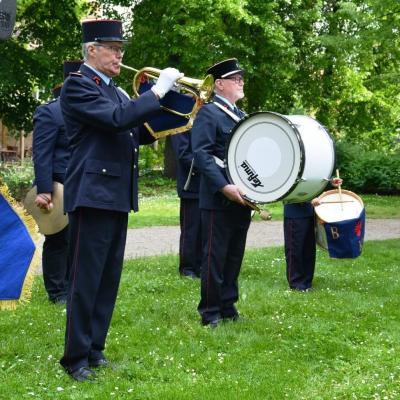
[18, 254]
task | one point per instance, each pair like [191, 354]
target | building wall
[7, 141]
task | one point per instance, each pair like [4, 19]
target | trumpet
[200, 90]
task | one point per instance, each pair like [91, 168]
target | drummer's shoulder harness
[236, 118]
[218, 161]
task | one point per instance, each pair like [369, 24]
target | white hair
[85, 49]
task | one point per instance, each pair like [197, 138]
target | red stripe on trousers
[75, 267]
[209, 257]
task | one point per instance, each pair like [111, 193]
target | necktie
[236, 111]
[113, 90]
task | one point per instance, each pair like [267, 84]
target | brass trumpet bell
[195, 93]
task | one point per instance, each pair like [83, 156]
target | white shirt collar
[231, 106]
[104, 77]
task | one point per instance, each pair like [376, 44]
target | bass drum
[279, 157]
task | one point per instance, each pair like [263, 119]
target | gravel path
[159, 240]
[165, 239]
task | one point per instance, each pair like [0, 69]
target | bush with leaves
[368, 171]
[151, 156]
[18, 177]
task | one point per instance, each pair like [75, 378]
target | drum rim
[344, 191]
[336, 191]
[301, 144]
[333, 161]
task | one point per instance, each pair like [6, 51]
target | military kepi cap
[71, 66]
[102, 30]
[68, 67]
[56, 91]
[225, 68]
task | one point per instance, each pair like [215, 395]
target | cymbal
[48, 221]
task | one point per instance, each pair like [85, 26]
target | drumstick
[331, 202]
[265, 215]
[340, 190]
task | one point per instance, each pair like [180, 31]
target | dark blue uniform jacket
[210, 133]
[183, 150]
[50, 146]
[103, 168]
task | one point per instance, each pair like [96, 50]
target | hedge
[366, 171]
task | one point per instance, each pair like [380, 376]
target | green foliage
[368, 171]
[154, 183]
[336, 60]
[193, 35]
[47, 33]
[18, 177]
[337, 342]
[151, 156]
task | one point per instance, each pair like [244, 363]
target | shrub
[151, 157]
[368, 171]
[18, 177]
[153, 182]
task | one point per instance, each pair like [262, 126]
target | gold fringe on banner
[33, 230]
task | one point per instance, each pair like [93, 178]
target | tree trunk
[169, 159]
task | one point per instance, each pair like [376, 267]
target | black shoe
[300, 289]
[189, 274]
[59, 300]
[83, 374]
[100, 362]
[232, 318]
[212, 324]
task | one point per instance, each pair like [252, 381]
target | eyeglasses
[237, 79]
[114, 49]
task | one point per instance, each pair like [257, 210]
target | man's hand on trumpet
[166, 81]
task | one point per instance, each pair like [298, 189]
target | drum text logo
[252, 176]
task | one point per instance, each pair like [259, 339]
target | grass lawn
[162, 208]
[337, 342]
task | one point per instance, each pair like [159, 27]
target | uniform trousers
[224, 235]
[300, 251]
[190, 238]
[55, 265]
[97, 244]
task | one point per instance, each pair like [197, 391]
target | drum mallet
[264, 215]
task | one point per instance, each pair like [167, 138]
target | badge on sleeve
[97, 79]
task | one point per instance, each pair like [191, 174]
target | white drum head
[336, 208]
[264, 156]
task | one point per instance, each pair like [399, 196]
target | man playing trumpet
[104, 132]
